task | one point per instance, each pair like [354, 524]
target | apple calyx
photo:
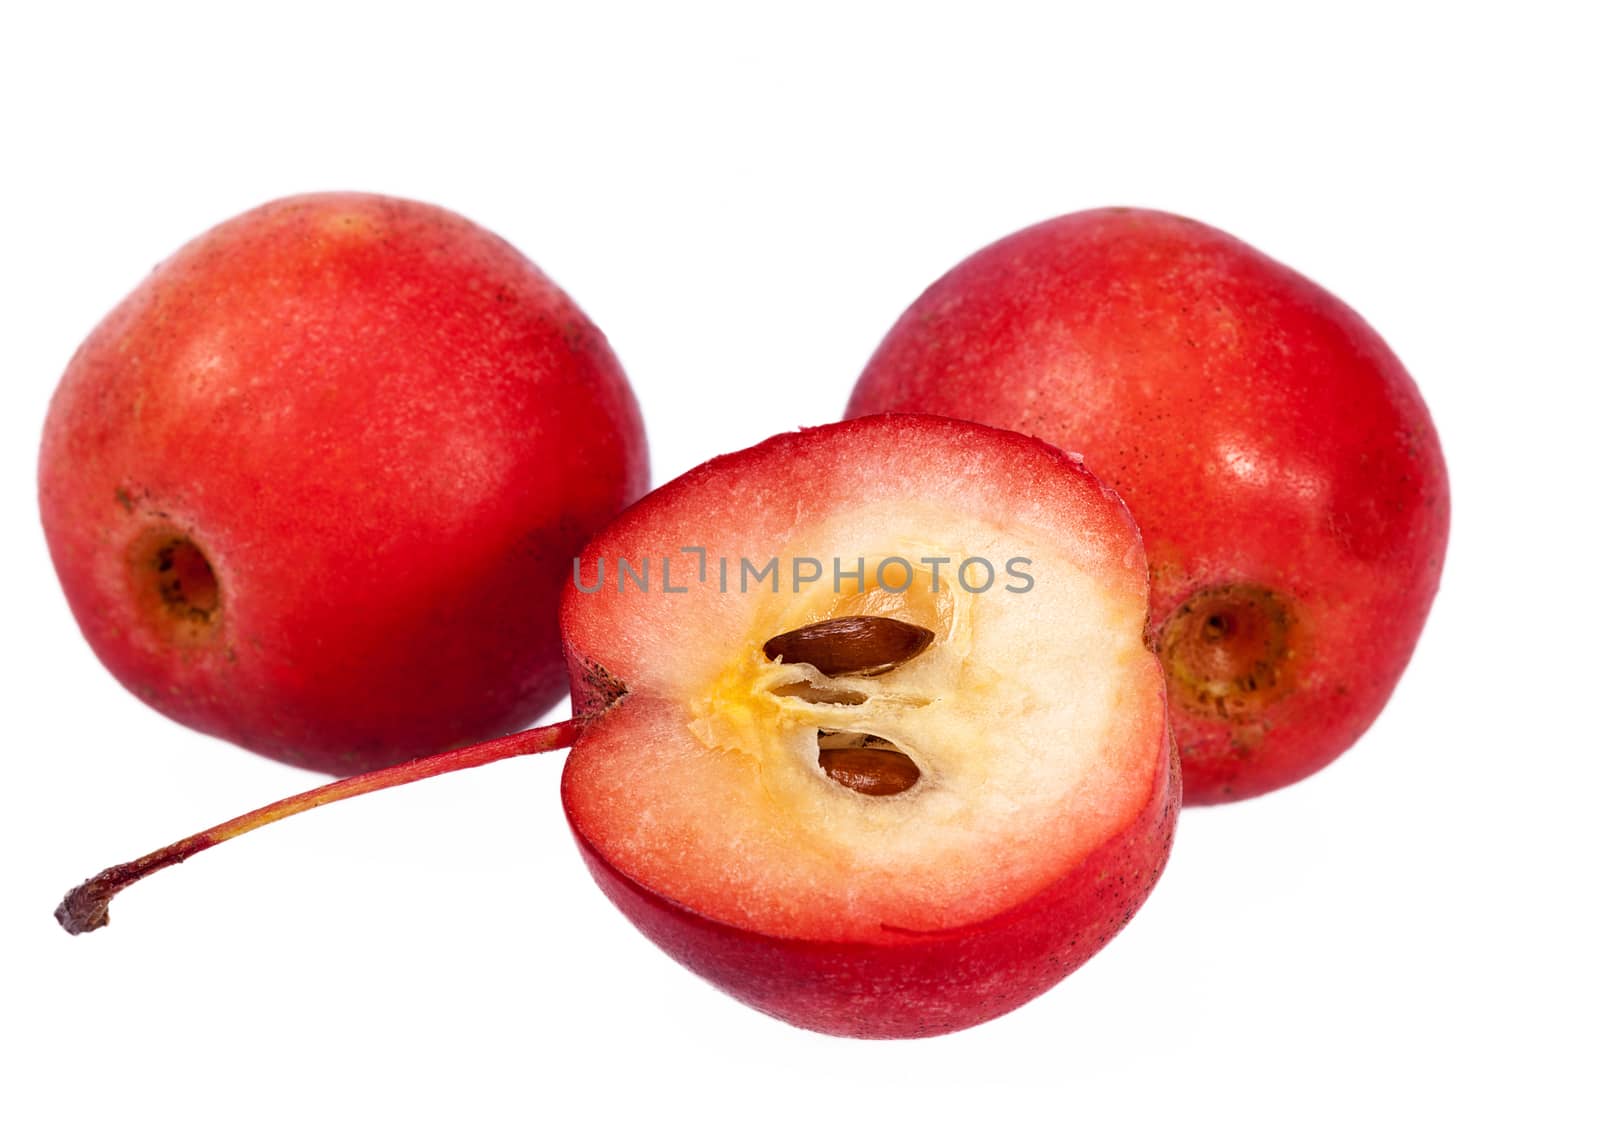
[1230, 651]
[174, 585]
[86, 907]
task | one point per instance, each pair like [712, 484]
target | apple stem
[86, 906]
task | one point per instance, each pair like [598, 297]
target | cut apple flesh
[959, 755]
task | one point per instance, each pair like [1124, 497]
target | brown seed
[871, 772]
[853, 644]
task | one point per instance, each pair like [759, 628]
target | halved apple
[904, 797]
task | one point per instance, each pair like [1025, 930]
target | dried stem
[85, 906]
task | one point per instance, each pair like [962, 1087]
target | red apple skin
[386, 431]
[911, 985]
[1263, 435]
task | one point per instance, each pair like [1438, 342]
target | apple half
[880, 791]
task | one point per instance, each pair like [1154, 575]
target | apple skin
[889, 981]
[912, 985]
[1279, 460]
[377, 434]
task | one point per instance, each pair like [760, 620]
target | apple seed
[851, 644]
[871, 772]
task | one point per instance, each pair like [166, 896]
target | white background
[744, 199]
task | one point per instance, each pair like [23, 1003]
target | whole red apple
[865, 729]
[1277, 456]
[314, 486]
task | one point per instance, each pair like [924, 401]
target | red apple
[1279, 459]
[314, 486]
[885, 806]
[1043, 811]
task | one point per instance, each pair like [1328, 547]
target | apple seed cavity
[863, 645]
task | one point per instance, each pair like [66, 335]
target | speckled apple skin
[388, 431]
[1259, 430]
